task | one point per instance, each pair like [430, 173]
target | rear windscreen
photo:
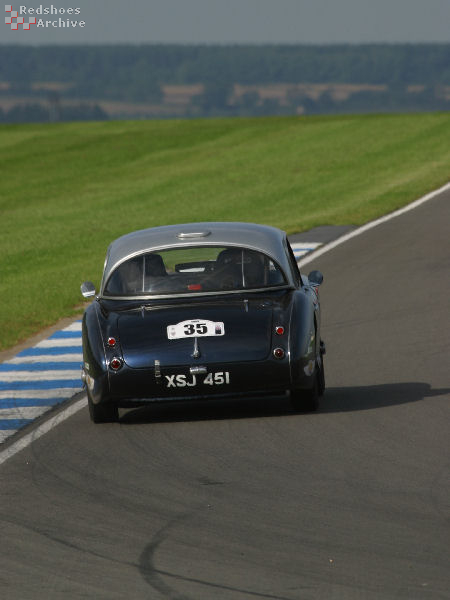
[194, 270]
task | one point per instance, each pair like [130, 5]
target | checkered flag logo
[14, 20]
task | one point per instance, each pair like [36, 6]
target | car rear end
[215, 347]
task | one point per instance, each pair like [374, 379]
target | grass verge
[69, 189]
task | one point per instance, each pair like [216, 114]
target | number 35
[198, 328]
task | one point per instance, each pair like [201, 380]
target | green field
[67, 190]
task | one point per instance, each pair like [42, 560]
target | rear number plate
[195, 328]
[177, 381]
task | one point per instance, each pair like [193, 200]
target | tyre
[103, 413]
[321, 379]
[308, 400]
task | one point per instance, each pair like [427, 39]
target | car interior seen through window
[194, 270]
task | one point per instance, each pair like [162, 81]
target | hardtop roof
[263, 238]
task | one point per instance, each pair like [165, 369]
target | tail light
[279, 353]
[115, 363]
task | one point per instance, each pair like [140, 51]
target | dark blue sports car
[198, 311]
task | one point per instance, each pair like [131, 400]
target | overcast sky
[239, 21]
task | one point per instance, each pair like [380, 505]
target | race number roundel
[195, 328]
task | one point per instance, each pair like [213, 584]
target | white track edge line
[348, 236]
[41, 429]
[73, 408]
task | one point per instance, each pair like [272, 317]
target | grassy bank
[67, 190]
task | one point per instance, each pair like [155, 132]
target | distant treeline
[37, 113]
[132, 73]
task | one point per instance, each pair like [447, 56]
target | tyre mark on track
[154, 577]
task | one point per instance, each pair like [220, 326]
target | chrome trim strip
[203, 294]
[193, 235]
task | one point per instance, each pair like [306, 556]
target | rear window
[194, 270]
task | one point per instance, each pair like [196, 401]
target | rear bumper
[227, 379]
[128, 387]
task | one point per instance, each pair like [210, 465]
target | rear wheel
[308, 400]
[103, 413]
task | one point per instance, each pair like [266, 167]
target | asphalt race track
[250, 500]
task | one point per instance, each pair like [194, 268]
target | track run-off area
[250, 500]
